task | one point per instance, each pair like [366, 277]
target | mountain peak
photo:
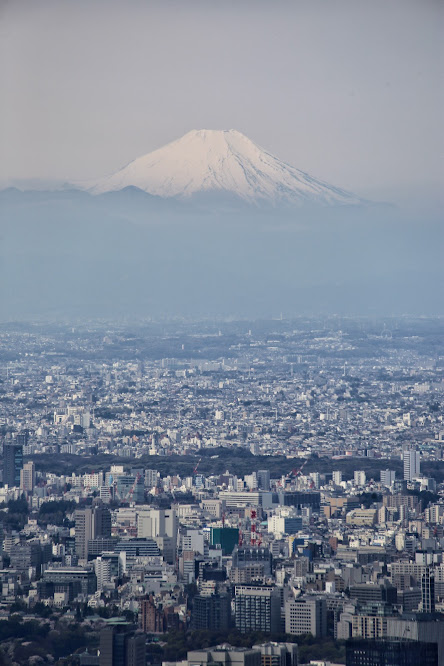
[223, 162]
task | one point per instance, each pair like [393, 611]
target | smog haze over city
[345, 92]
[221, 333]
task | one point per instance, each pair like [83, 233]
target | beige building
[358, 517]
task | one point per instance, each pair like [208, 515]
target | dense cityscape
[264, 493]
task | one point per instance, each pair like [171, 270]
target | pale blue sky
[348, 90]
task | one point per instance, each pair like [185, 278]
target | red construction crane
[296, 472]
[253, 528]
[197, 465]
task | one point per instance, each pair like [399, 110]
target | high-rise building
[387, 477]
[411, 459]
[428, 591]
[371, 652]
[161, 525]
[263, 479]
[211, 612]
[226, 537]
[257, 608]
[119, 646]
[150, 478]
[373, 593]
[102, 568]
[244, 557]
[27, 477]
[23, 438]
[91, 523]
[337, 477]
[12, 464]
[421, 627]
[359, 478]
[306, 616]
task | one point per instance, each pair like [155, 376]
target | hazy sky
[350, 91]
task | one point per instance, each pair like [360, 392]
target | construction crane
[296, 472]
[197, 465]
[133, 487]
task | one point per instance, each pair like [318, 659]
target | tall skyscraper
[257, 608]
[263, 478]
[91, 522]
[411, 459]
[12, 464]
[428, 591]
[27, 477]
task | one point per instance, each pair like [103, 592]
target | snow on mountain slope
[221, 162]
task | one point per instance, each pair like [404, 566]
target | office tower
[257, 608]
[428, 591]
[285, 522]
[161, 525]
[371, 652]
[411, 460]
[12, 464]
[306, 616]
[211, 612]
[91, 523]
[23, 438]
[245, 557]
[119, 646]
[359, 478]
[150, 478]
[387, 477]
[337, 478]
[225, 537]
[27, 477]
[374, 593]
[102, 569]
[263, 479]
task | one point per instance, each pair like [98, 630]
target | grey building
[91, 523]
[257, 608]
[246, 556]
[74, 580]
[306, 616]
[12, 464]
[226, 655]
[120, 646]
[212, 612]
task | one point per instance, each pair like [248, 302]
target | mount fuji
[222, 163]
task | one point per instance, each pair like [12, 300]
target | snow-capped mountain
[222, 162]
